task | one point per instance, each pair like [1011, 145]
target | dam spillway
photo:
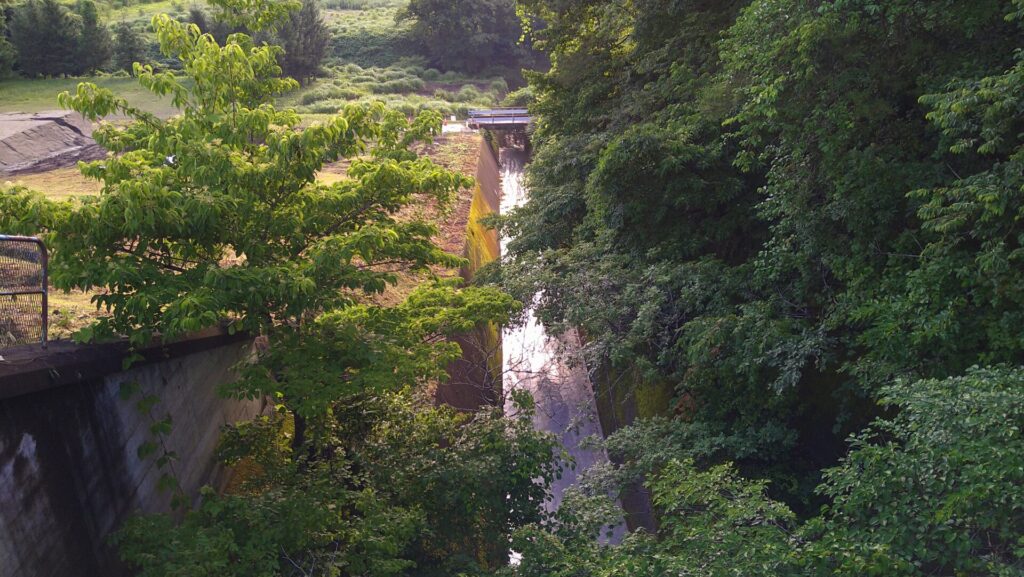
[551, 368]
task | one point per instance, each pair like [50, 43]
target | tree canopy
[128, 48]
[305, 39]
[215, 216]
[745, 200]
[51, 40]
[467, 35]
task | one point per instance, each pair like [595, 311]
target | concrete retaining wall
[69, 469]
[624, 396]
[475, 379]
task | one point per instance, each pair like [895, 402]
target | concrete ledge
[30, 368]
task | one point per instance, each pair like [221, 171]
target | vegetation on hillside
[466, 35]
[780, 209]
[213, 216]
[801, 218]
[51, 40]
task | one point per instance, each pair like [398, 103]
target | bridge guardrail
[24, 291]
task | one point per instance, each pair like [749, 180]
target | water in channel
[549, 367]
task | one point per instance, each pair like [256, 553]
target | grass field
[146, 11]
[57, 184]
[25, 95]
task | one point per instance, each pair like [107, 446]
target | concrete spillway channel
[550, 367]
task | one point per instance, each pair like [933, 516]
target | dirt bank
[44, 141]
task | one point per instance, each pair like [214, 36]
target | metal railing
[24, 288]
[500, 118]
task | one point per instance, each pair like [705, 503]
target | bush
[521, 97]
[937, 490]
[321, 93]
[499, 85]
[442, 94]
[431, 74]
[397, 86]
[326, 107]
[468, 93]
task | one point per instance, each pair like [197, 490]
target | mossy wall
[475, 379]
[623, 396]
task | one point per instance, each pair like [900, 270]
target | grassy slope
[57, 184]
[24, 95]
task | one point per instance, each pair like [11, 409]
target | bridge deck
[500, 118]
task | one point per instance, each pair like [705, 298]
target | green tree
[128, 48]
[418, 487]
[935, 490]
[742, 200]
[94, 47]
[466, 35]
[215, 216]
[45, 35]
[714, 523]
[305, 39]
[8, 55]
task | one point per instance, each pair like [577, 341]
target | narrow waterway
[550, 368]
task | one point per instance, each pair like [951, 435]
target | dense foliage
[935, 490]
[305, 39]
[780, 208]
[802, 217]
[467, 35]
[8, 55]
[52, 40]
[129, 47]
[777, 206]
[95, 46]
[412, 488]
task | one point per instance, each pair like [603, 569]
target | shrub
[936, 490]
[499, 85]
[397, 86]
[442, 94]
[468, 93]
[521, 97]
[326, 107]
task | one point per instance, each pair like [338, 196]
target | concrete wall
[622, 397]
[69, 469]
[475, 379]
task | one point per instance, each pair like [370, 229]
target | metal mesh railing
[23, 291]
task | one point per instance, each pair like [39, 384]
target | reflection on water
[551, 368]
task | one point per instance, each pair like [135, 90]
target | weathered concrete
[69, 469]
[44, 141]
[475, 379]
